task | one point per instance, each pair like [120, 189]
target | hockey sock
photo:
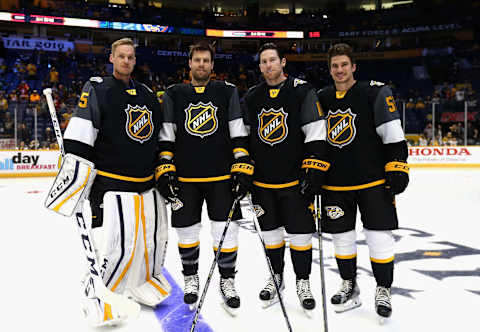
[276, 258]
[189, 255]
[302, 262]
[347, 267]
[383, 273]
[226, 262]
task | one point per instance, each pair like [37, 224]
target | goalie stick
[120, 302]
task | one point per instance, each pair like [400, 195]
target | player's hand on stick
[312, 176]
[242, 176]
[167, 182]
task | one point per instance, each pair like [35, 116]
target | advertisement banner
[21, 43]
[15, 163]
[444, 156]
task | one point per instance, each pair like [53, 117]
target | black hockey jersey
[200, 126]
[116, 127]
[360, 122]
[283, 120]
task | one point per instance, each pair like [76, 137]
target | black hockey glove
[166, 180]
[242, 176]
[312, 176]
[396, 174]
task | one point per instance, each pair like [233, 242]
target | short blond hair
[123, 41]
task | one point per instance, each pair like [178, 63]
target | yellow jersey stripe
[190, 245]
[346, 256]
[57, 208]
[361, 186]
[226, 249]
[276, 186]
[210, 179]
[382, 261]
[301, 248]
[124, 178]
[275, 246]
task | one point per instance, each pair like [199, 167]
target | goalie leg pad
[71, 185]
[147, 285]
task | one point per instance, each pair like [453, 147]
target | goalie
[111, 143]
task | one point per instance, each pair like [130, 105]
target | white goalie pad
[71, 184]
[136, 235]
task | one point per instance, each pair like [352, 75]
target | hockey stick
[258, 211]
[214, 263]
[123, 304]
[320, 252]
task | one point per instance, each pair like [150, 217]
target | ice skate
[383, 303]
[347, 298]
[190, 291]
[268, 294]
[231, 301]
[305, 296]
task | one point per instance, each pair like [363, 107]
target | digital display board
[254, 34]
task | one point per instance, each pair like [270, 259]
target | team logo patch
[272, 126]
[334, 212]
[341, 127]
[139, 124]
[201, 119]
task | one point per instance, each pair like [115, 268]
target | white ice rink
[437, 271]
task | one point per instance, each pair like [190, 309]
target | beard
[200, 76]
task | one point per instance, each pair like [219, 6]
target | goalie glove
[312, 176]
[242, 176]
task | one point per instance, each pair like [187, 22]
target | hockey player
[115, 130]
[368, 151]
[203, 152]
[287, 145]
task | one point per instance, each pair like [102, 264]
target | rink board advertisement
[444, 156]
[17, 163]
[20, 163]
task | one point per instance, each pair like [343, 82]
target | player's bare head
[340, 49]
[123, 57]
[124, 41]
[201, 61]
[272, 63]
[202, 46]
[341, 64]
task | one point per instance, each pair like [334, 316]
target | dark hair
[340, 49]
[270, 46]
[201, 46]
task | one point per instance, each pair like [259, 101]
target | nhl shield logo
[139, 124]
[201, 119]
[272, 126]
[341, 127]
